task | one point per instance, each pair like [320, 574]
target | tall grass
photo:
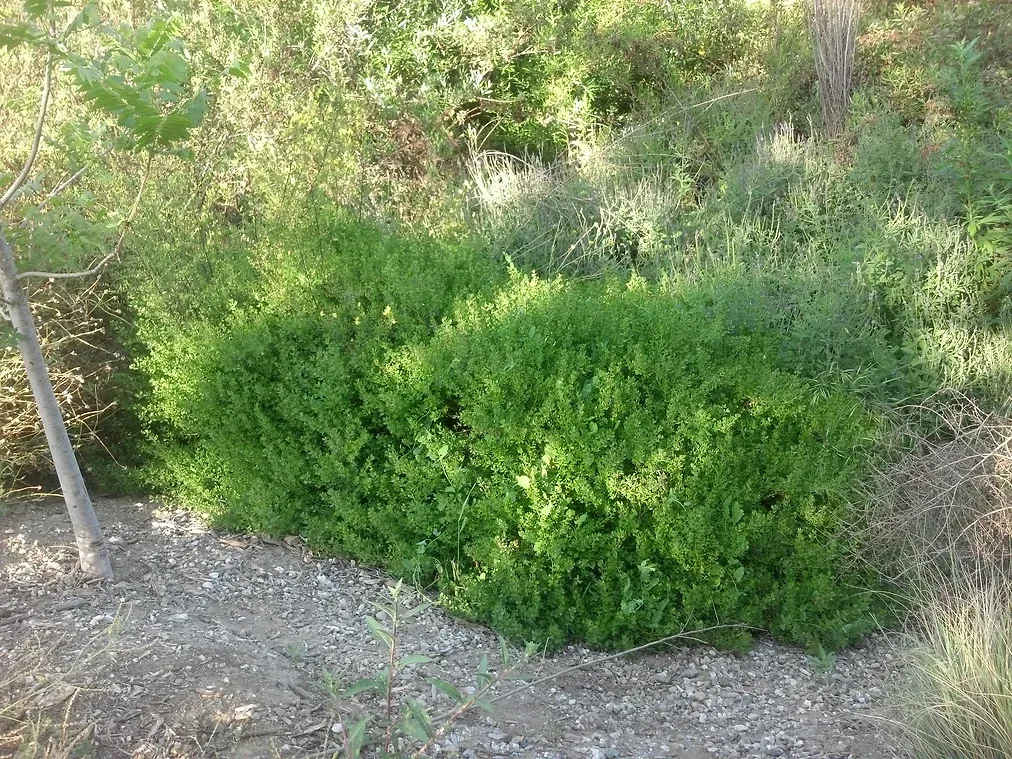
[959, 701]
[577, 218]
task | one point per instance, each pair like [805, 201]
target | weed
[822, 660]
[297, 651]
[406, 727]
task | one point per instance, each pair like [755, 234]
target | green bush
[266, 378]
[614, 463]
[528, 77]
[599, 461]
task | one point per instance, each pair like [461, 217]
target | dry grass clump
[959, 701]
[944, 509]
[604, 210]
[833, 26]
[81, 359]
[941, 529]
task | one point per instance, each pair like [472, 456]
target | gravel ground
[220, 645]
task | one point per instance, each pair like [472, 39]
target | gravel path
[221, 645]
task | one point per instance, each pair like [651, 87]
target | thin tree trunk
[91, 546]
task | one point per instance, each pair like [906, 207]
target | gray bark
[92, 548]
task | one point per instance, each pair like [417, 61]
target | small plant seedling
[822, 660]
[405, 727]
[297, 652]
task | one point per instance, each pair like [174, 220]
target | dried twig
[945, 506]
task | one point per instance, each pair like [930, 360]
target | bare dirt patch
[218, 645]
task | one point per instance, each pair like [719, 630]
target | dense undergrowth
[606, 460]
[571, 312]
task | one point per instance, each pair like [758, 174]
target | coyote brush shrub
[604, 461]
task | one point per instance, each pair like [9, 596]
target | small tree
[141, 79]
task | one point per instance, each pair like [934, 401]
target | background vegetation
[552, 308]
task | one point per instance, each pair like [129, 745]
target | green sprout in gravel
[407, 728]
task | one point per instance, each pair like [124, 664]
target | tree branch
[74, 178]
[40, 122]
[119, 243]
[69, 274]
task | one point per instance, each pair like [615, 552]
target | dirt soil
[216, 645]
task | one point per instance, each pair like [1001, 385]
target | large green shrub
[614, 463]
[600, 461]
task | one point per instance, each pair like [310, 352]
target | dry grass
[42, 684]
[959, 702]
[944, 509]
[833, 26]
[71, 322]
[940, 525]
[38, 700]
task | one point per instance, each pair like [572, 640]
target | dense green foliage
[269, 380]
[601, 340]
[528, 76]
[602, 460]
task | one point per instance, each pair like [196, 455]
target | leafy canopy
[141, 78]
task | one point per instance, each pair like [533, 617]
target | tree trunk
[91, 546]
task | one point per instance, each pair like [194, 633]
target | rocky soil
[224, 645]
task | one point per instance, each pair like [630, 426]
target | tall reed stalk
[833, 25]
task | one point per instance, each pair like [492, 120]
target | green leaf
[87, 16]
[158, 33]
[356, 737]
[504, 651]
[362, 686]
[196, 109]
[114, 97]
[484, 704]
[410, 659]
[484, 676]
[14, 35]
[449, 689]
[383, 609]
[39, 8]
[238, 68]
[166, 67]
[739, 573]
[417, 723]
[161, 130]
[380, 633]
[411, 727]
[416, 610]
